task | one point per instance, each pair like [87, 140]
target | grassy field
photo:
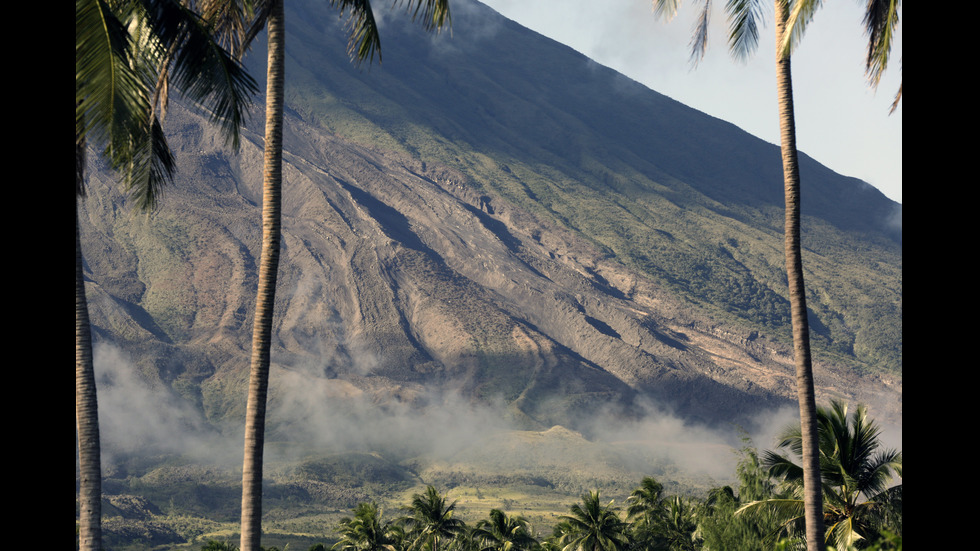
[177, 503]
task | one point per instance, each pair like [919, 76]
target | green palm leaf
[111, 101]
[645, 501]
[127, 56]
[855, 473]
[502, 532]
[843, 534]
[434, 14]
[200, 68]
[430, 520]
[745, 17]
[113, 106]
[880, 22]
[230, 21]
[107, 88]
[364, 40]
[789, 510]
[592, 526]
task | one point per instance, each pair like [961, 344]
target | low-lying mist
[310, 414]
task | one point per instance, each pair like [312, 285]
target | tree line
[763, 510]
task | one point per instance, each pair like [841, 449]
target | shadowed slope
[506, 220]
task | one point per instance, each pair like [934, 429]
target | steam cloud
[330, 415]
[135, 418]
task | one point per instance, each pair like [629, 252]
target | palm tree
[268, 271]
[645, 511]
[365, 532]
[127, 54]
[678, 525]
[364, 43]
[430, 521]
[86, 406]
[856, 474]
[646, 501]
[658, 522]
[503, 533]
[744, 17]
[806, 396]
[593, 526]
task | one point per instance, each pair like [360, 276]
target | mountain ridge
[645, 128]
[408, 268]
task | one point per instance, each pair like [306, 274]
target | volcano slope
[492, 216]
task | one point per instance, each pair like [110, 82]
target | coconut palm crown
[592, 526]
[857, 472]
[430, 522]
[504, 533]
[366, 531]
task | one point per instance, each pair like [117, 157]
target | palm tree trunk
[813, 497]
[86, 404]
[265, 299]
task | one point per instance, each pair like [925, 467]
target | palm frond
[875, 476]
[789, 506]
[789, 510]
[229, 21]
[80, 146]
[503, 532]
[744, 19]
[781, 467]
[880, 22]
[109, 92]
[898, 98]
[127, 55]
[592, 525]
[113, 110]
[699, 38]
[800, 14]
[364, 40]
[434, 14]
[430, 519]
[843, 533]
[852, 465]
[665, 9]
[200, 68]
[260, 16]
[152, 164]
[645, 500]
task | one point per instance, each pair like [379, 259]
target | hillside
[505, 270]
[663, 188]
[493, 214]
[487, 232]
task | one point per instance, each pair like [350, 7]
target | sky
[840, 120]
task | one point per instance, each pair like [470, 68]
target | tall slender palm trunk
[813, 498]
[86, 404]
[268, 271]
